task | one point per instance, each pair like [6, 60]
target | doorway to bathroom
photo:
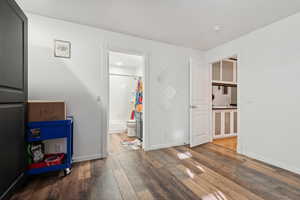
[126, 102]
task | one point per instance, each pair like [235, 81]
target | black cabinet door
[12, 146]
[13, 53]
[13, 94]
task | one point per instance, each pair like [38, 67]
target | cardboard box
[46, 111]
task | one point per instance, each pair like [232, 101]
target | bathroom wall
[122, 89]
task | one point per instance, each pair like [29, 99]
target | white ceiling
[187, 23]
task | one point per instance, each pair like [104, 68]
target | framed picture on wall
[62, 49]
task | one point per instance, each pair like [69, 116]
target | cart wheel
[67, 171]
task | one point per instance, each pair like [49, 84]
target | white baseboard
[86, 158]
[117, 126]
[163, 146]
[116, 131]
[272, 162]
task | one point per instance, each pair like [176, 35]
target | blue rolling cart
[39, 131]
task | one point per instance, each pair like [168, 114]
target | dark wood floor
[208, 172]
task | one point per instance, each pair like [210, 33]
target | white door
[200, 103]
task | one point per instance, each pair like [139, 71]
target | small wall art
[62, 49]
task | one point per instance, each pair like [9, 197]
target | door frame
[239, 137]
[107, 47]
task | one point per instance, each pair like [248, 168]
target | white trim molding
[275, 163]
[162, 146]
[86, 158]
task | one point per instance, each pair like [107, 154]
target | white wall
[268, 73]
[79, 81]
[122, 90]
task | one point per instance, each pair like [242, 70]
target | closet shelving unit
[225, 120]
[224, 73]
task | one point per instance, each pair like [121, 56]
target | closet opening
[126, 102]
[225, 112]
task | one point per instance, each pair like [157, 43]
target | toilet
[131, 128]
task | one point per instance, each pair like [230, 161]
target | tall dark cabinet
[13, 95]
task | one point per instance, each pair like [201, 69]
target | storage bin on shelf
[46, 130]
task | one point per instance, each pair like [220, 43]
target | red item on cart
[50, 160]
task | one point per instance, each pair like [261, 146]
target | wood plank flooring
[207, 172]
[115, 143]
[229, 143]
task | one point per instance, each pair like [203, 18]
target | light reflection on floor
[190, 173]
[185, 155]
[214, 196]
[201, 168]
